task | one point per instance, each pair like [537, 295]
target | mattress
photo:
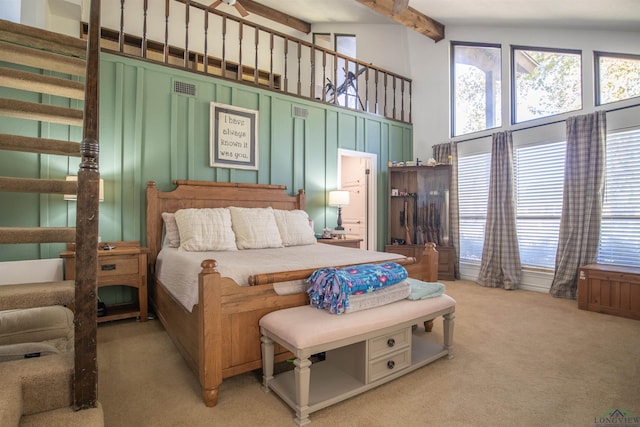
[178, 269]
[379, 297]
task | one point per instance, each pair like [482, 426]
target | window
[476, 88]
[347, 81]
[539, 183]
[10, 10]
[473, 193]
[545, 82]
[620, 227]
[617, 77]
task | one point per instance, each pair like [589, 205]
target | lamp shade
[338, 198]
[75, 196]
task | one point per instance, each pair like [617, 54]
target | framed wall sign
[233, 137]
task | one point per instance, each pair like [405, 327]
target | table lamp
[339, 198]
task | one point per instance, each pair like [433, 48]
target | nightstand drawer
[117, 266]
[389, 364]
[389, 343]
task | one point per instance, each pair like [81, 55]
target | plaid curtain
[584, 178]
[500, 267]
[441, 153]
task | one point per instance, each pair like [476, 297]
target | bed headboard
[206, 194]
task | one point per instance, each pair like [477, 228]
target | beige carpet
[521, 359]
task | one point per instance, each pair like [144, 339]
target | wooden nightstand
[124, 265]
[348, 243]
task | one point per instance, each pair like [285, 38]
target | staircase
[39, 65]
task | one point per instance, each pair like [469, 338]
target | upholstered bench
[361, 350]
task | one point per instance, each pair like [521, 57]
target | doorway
[357, 173]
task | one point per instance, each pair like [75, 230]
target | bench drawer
[389, 364]
[389, 343]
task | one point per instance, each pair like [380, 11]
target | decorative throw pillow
[171, 233]
[255, 228]
[206, 229]
[294, 227]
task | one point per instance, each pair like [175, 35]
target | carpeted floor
[521, 359]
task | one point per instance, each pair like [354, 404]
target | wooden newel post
[430, 263]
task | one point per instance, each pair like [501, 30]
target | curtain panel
[582, 201]
[500, 266]
[441, 153]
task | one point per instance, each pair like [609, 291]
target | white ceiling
[574, 14]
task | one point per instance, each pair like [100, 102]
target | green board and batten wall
[149, 132]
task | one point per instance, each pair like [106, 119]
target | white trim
[372, 220]
[537, 281]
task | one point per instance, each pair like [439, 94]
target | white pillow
[205, 229]
[294, 227]
[255, 228]
[171, 234]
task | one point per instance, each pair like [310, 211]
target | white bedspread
[178, 269]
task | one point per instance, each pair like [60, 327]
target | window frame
[596, 73]
[512, 75]
[452, 89]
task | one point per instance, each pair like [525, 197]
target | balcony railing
[220, 44]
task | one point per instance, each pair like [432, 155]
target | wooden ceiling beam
[409, 17]
[276, 16]
[399, 6]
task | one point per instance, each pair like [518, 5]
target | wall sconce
[74, 197]
[339, 198]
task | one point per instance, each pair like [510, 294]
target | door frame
[372, 191]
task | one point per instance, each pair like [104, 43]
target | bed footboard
[229, 339]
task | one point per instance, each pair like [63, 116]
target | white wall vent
[300, 112]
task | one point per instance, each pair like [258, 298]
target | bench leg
[448, 332]
[267, 362]
[303, 379]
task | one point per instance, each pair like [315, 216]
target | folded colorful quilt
[330, 287]
[422, 290]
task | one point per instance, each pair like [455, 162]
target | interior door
[354, 178]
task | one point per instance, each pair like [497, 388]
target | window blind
[473, 191]
[539, 182]
[620, 227]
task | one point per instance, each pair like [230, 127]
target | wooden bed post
[302, 199]
[210, 335]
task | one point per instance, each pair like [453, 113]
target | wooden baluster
[205, 60]
[313, 73]
[366, 89]
[224, 46]
[271, 82]
[402, 100]
[385, 95]
[143, 48]
[299, 68]
[376, 93]
[346, 87]
[186, 35]
[166, 32]
[410, 100]
[255, 69]
[286, 62]
[239, 74]
[121, 35]
[324, 75]
[394, 96]
[335, 79]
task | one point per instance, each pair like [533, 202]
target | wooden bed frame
[220, 338]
